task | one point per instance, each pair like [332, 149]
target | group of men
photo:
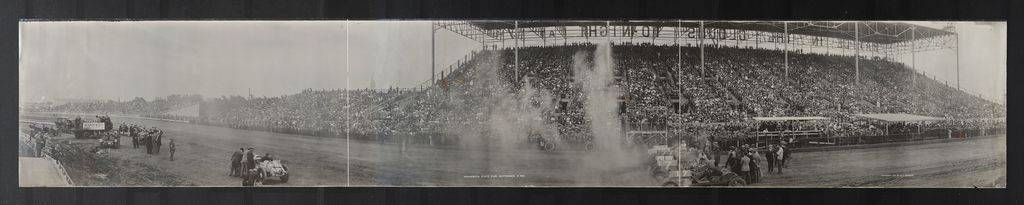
[38, 135]
[776, 157]
[745, 160]
[243, 164]
[242, 160]
[151, 139]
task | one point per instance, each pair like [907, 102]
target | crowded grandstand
[675, 89]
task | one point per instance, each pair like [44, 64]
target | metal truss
[874, 37]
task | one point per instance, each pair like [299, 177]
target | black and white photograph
[512, 103]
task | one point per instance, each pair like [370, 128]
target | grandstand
[677, 78]
[719, 75]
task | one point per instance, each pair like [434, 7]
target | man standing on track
[745, 167]
[236, 162]
[770, 158]
[134, 134]
[715, 152]
[171, 148]
[147, 142]
[248, 177]
[780, 152]
[755, 166]
[159, 140]
[732, 163]
[247, 159]
[785, 155]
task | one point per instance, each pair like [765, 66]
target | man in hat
[733, 161]
[785, 155]
[744, 167]
[147, 141]
[134, 134]
[236, 162]
[171, 148]
[249, 177]
[247, 159]
[715, 152]
[780, 153]
[769, 156]
[158, 140]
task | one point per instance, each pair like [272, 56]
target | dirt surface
[976, 162]
[204, 151]
[39, 172]
[87, 165]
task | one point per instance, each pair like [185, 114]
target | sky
[121, 60]
[982, 59]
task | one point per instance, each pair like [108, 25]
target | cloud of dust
[597, 81]
[497, 117]
[519, 114]
[505, 116]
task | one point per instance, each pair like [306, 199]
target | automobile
[680, 166]
[110, 140]
[267, 167]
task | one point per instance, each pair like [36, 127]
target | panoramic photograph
[507, 103]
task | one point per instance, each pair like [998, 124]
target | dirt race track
[977, 162]
[204, 151]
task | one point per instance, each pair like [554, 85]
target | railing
[647, 137]
[60, 169]
[820, 139]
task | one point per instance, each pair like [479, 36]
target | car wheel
[549, 146]
[735, 180]
[660, 174]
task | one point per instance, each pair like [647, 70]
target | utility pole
[433, 31]
[956, 35]
[516, 52]
[785, 48]
[701, 38]
[856, 56]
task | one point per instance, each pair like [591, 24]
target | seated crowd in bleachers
[660, 91]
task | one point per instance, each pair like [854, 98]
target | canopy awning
[791, 118]
[899, 117]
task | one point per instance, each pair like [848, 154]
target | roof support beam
[913, 54]
[433, 61]
[856, 57]
[785, 48]
[679, 67]
[516, 40]
[701, 37]
[956, 44]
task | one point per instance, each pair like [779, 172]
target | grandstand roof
[790, 118]
[871, 32]
[899, 117]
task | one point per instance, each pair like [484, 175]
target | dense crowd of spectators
[662, 87]
[136, 106]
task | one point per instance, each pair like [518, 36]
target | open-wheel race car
[85, 130]
[546, 139]
[679, 167]
[110, 140]
[716, 176]
[543, 143]
[270, 168]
